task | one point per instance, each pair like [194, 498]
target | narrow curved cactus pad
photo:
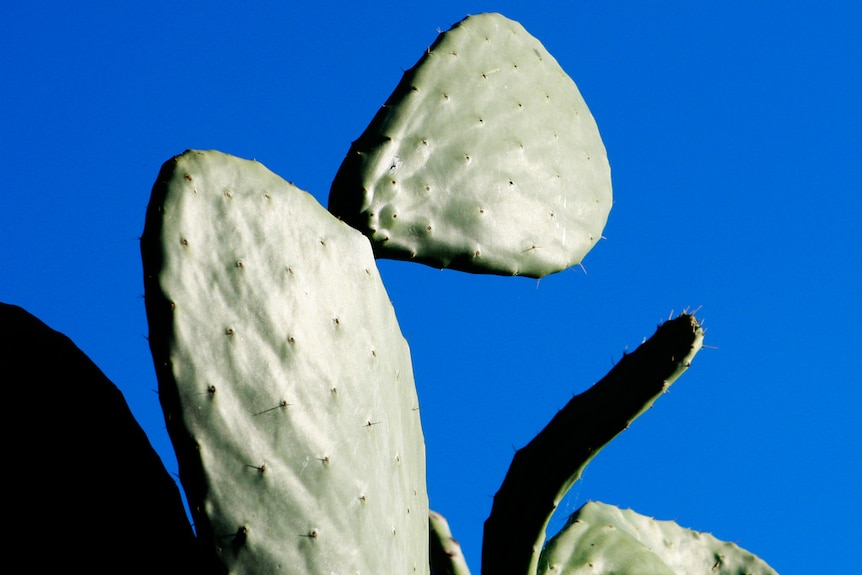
[484, 159]
[545, 469]
[601, 539]
[286, 383]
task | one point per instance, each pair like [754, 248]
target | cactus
[485, 158]
[444, 550]
[285, 380]
[543, 471]
[286, 384]
[601, 539]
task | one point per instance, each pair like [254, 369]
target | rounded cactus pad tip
[286, 383]
[485, 159]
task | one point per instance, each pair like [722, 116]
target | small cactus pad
[601, 539]
[286, 383]
[446, 555]
[485, 159]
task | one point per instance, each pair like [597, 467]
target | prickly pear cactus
[601, 539]
[286, 383]
[485, 158]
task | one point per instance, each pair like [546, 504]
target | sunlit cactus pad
[286, 382]
[601, 539]
[484, 159]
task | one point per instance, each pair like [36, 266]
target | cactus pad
[545, 469]
[446, 555]
[485, 159]
[601, 539]
[286, 383]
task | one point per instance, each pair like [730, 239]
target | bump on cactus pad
[485, 159]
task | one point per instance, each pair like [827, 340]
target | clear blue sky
[733, 131]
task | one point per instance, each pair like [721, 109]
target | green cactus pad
[286, 383]
[484, 159]
[545, 469]
[601, 539]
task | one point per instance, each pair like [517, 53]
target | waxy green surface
[484, 159]
[601, 539]
[286, 383]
